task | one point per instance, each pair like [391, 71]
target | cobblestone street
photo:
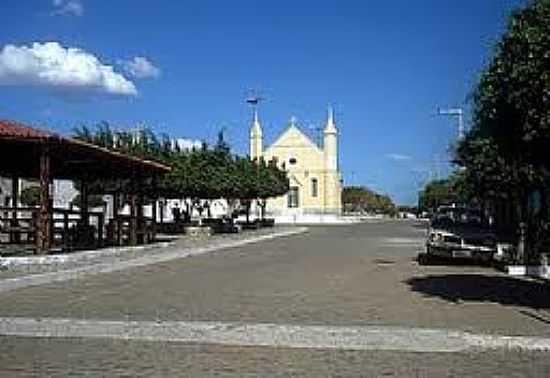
[363, 275]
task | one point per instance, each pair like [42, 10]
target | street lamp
[459, 114]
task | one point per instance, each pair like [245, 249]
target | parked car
[459, 233]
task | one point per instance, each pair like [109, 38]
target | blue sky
[185, 67]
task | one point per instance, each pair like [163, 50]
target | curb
[293, 336]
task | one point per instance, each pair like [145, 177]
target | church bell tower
[330, 142]
[256, 137]
[333, 190]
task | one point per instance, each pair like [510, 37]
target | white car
[459, 238]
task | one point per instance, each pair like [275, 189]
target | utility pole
[459, 114]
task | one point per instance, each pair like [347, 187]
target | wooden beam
[43, 240]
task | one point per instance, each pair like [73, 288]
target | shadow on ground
[484, 288]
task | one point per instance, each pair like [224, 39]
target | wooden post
[133, 219]
[154, 224]
[100, 224]
[116, 221]
[154, 211]
[65, 230]
[141, 226]
[16, 236]
[84, 218]
[52, 218]
[43, 240]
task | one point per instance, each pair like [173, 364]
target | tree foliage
[360, 198]
[512, 97]
[30, 196]
[95, 200]
[454, 189]
[199, 174]
[504, 154]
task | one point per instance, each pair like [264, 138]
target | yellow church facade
[315, 180]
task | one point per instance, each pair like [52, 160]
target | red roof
[14, 135]
[12, 129]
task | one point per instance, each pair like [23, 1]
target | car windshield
[453, 217]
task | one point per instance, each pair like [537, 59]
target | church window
[314, 187]
[292, 161]
[293, 197]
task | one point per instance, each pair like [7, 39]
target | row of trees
[453, 189]
[362, 199]
[504, 157]
[198, 174]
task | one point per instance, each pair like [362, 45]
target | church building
[313, 171]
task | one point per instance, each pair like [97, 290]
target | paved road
[361, 275]
[106, 358]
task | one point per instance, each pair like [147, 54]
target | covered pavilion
[30, 153]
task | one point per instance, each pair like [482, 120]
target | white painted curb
[272, 335]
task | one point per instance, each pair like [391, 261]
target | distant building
[315, 180]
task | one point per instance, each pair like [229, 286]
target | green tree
[199, 174]
[453, 189]
[95, 200]
[359, 198]
[505, 151]
[512, 97]
[504, 156]
[434, 194]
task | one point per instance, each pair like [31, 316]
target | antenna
[253, 99]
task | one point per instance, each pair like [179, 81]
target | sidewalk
[31, 271]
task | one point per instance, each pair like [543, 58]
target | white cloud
[141, 68]
[398, 157]
[186, 144]
[68, 7]
[53, 66]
